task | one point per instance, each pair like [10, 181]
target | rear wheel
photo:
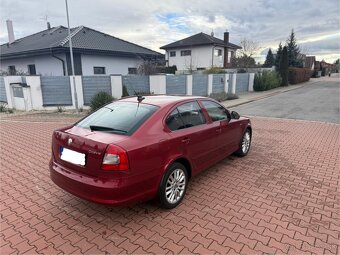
[244, 144]
[173, 186]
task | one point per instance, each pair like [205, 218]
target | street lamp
[72, 63]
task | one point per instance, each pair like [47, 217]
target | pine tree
[293, 50]
[278, 57]
[284, 66]
[270, 61]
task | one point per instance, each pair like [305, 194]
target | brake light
[115, 159]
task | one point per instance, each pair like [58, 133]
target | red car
[138, 148]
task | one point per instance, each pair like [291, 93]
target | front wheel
[173, 186]
[244, 144]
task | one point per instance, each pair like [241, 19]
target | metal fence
[93, 85]
[176, 84]
[136, 83]
[218, 83]
[3, 97]
[56, 90]
[200, 85]
[242, 82]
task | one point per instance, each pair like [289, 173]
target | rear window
[118, 117]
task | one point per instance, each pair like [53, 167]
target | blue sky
[152, 23]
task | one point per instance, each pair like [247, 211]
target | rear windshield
[119, 117]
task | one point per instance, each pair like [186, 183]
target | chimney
[48, 25]
[226, 41]
[226, 37]
[10, 31]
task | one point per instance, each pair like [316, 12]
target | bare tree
[245, 56]
[147, 68]
[249, 48]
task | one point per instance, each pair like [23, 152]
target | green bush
[125, 91]
[223, 96]
[266, 80]
[99, 100]
[3, 107]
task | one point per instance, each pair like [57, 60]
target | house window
[99, 70]
[172, 53]
[218, 52]
[31, 70]
[185, 52]
[11, 70]
[132, 70]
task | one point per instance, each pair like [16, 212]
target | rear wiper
[100, 128]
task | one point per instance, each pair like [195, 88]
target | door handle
[186, 140]
[219, 130]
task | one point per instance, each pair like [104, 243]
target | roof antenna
[140, 98]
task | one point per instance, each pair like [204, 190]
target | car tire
[173, 186]
[244, 144]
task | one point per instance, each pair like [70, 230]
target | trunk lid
[82, 140]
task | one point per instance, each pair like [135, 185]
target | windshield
[118, 117]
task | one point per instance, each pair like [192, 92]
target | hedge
[267, 80]
[298, 75]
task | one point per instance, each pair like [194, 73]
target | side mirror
[235, 115]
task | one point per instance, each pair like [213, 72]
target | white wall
[201, 57]
[113, 65]
[44, 65]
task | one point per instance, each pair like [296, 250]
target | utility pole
[72, 63]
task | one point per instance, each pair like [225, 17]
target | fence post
[158, 84]
[36, 94]
[226, 82]
[117, 86]
[251, 82]
[189, 84]
[233, 84]
[79, 88]
[210, 83]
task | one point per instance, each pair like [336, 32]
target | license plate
[72, 156]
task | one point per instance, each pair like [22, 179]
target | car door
[191, 136]
[227, 138]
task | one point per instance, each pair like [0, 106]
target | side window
[215, 111]
[185, 116]
[174, 121]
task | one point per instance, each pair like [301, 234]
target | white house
[199, 52]
[95, 53]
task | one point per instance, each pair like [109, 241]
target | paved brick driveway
[282, 198]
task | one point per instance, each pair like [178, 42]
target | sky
[154, 23]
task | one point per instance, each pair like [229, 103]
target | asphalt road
[317, 102]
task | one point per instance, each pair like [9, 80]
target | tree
[337, 65]
[270, 61]
[278, 57]
[243, 62]
[293, 51]
[244, 58]
[284, 66]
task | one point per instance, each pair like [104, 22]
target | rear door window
[215, 111]
[119, 117]
[185, 116]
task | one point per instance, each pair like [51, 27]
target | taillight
[115, 159]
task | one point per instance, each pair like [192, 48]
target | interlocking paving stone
[282, 198]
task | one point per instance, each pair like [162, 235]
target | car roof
[161, 100]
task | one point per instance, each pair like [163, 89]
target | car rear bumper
[105, 191]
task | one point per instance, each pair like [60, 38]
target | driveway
[282, 198]
[318, 101]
